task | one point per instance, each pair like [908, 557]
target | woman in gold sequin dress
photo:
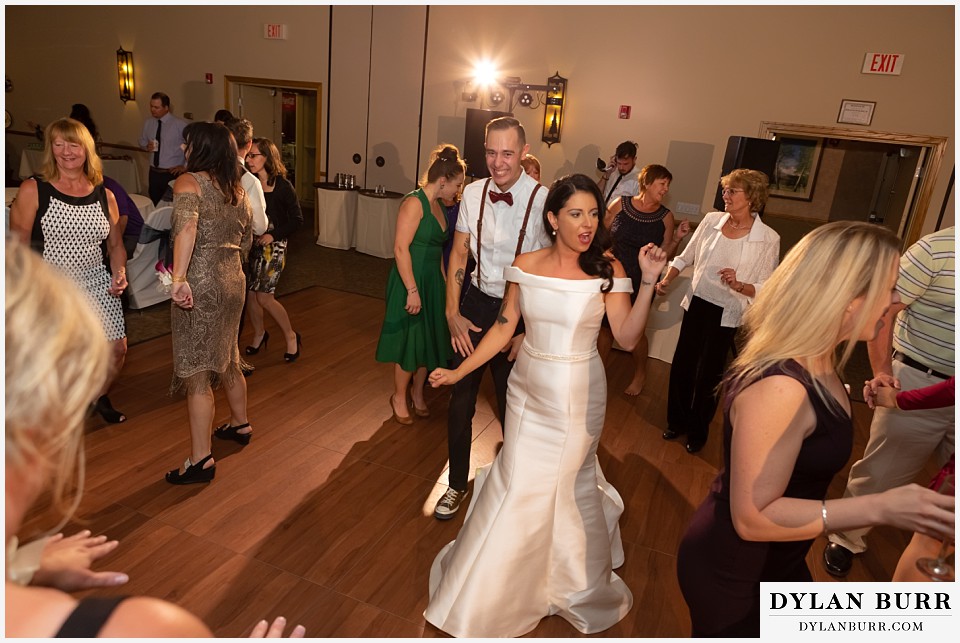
[211, 232]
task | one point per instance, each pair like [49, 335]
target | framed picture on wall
[795, 172]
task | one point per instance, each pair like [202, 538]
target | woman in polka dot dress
[66, 213]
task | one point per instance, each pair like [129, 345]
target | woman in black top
[633, 223]
[269, 254]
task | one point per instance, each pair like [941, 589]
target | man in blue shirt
[162, 134]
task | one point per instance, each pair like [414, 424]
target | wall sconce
[125, 75]
[553, 114]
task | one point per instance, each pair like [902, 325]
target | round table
[377, 222]
[336, 215]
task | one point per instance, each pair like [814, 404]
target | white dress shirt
[758, 255]
[629, 185]
[258, 202]
[501, 229]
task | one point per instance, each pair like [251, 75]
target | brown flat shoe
[400, 419]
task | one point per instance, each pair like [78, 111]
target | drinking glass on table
[938, 568]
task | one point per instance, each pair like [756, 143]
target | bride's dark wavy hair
[593, 260]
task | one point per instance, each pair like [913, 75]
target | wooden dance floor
[326, 517]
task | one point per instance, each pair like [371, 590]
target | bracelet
[823, 515]
[180, 280]
[742, 285]
[410, 291]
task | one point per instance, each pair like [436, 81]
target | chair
[154, 245]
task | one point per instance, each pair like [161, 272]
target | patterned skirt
[265, 265]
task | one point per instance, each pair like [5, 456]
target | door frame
[231, 81]
[936, 148]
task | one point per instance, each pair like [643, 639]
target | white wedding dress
[541, 535]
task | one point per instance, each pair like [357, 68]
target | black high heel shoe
[227, 432]
[253, 350]
[107, 412]
[292, 357]
[192, 472]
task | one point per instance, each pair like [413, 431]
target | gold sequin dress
[205, 338]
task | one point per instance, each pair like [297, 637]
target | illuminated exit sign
[876, 63]
[275, 32]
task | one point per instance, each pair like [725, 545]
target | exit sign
[275, 31]
[876, 63]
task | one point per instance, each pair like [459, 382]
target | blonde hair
[72, 131]
[800, 311]
[56, 362]
[755, 186]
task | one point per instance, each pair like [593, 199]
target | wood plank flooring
[326, 517]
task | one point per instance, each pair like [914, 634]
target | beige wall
[693, 75]
[701, 74]
[60, 55]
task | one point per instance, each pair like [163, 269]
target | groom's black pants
[481, 309]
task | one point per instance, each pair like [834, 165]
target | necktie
[156, 152]
[506, 197]
[614, 187]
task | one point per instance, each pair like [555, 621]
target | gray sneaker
[449, 504]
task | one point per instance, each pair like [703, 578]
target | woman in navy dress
[788, 431]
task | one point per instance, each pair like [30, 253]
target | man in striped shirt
[922, 342]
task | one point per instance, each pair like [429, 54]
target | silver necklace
[734, 225]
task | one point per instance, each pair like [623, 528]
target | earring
[553, 232]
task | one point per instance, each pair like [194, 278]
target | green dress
[423, 339]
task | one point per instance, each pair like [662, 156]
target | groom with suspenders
[500, 218]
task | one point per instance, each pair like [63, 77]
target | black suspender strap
[483, 203]
[526, 217]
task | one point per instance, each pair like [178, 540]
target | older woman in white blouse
[732, 254]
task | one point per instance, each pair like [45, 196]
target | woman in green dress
[415, 337]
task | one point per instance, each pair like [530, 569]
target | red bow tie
[506, 197]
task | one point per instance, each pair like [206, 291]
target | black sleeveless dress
[632, 230]
[89, 617]
[719, 572]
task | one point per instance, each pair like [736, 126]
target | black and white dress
[69, 232]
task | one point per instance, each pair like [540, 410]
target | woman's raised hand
[442, 376]
[652, 260]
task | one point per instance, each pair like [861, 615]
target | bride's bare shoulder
[529, 261]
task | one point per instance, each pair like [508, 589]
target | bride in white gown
[541, 535]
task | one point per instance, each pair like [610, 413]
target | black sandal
[227, 432]
[192, 472]
[107, 412]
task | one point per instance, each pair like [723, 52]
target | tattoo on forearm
[501, 318]
[459, 277]
[466, 244]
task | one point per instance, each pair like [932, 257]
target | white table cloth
[337, 213]
[143, 203]
[122, 170]
[377, 223]
[663, 322]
